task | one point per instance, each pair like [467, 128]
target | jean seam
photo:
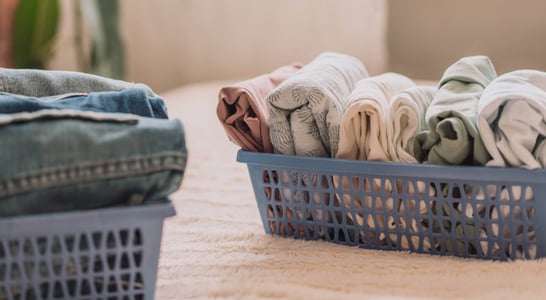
[88, 172]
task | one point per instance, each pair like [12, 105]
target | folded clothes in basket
[44, 83]
[243, 112]
[133, 101]
[471, 118]
[59, 160]
[512, 120]
[363, 130]
[363, 136]
[452, 137]
[407, 118]
[305, 110]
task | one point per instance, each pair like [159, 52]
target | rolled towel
[305, 110]
[511, 120]
[243, 112]
[452, 137]
[363, 133]
[407, 119]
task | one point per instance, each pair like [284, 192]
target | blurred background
[170, 43]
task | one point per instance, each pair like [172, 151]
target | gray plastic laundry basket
[109, 253]
[478, 212]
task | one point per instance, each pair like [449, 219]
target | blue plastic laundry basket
[109, 253]
[479, 212]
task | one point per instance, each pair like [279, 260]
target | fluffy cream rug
[216, 246]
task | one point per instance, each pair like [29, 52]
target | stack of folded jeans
[75, 141]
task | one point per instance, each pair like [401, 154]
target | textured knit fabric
[243, 112]
[407, 118]
[363, 133]
[512, 120]
[305, 110]
[452, 137]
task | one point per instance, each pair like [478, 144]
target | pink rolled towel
[243, 112]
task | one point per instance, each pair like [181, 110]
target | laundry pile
[331, 107]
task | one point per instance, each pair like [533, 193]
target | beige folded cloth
[243, 112]
[363, 136]
[363, 132]
[407, 118]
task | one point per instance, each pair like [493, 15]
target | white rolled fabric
[406, 119]
[512, 120]
[363, 131]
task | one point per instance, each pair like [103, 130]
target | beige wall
[426, 36]
[172, 42]
[64, 55]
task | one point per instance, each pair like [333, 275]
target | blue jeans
[44, 83]
[133, 100]
[59, 160]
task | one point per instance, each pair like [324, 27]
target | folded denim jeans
[60, 160]
[43, 83]
[133, 101]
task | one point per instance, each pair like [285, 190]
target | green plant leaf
[34, 30]
[107, 53]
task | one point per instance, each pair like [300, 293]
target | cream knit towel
[363, 133]
[363, 136]
[407, 118]
[305, 110]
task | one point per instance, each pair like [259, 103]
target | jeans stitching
[65, 175]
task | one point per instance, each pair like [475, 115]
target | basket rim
[140, 213]
[377, 168]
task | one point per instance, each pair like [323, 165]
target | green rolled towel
[453, 137]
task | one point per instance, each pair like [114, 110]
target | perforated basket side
[463, 211]
[95, 254]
